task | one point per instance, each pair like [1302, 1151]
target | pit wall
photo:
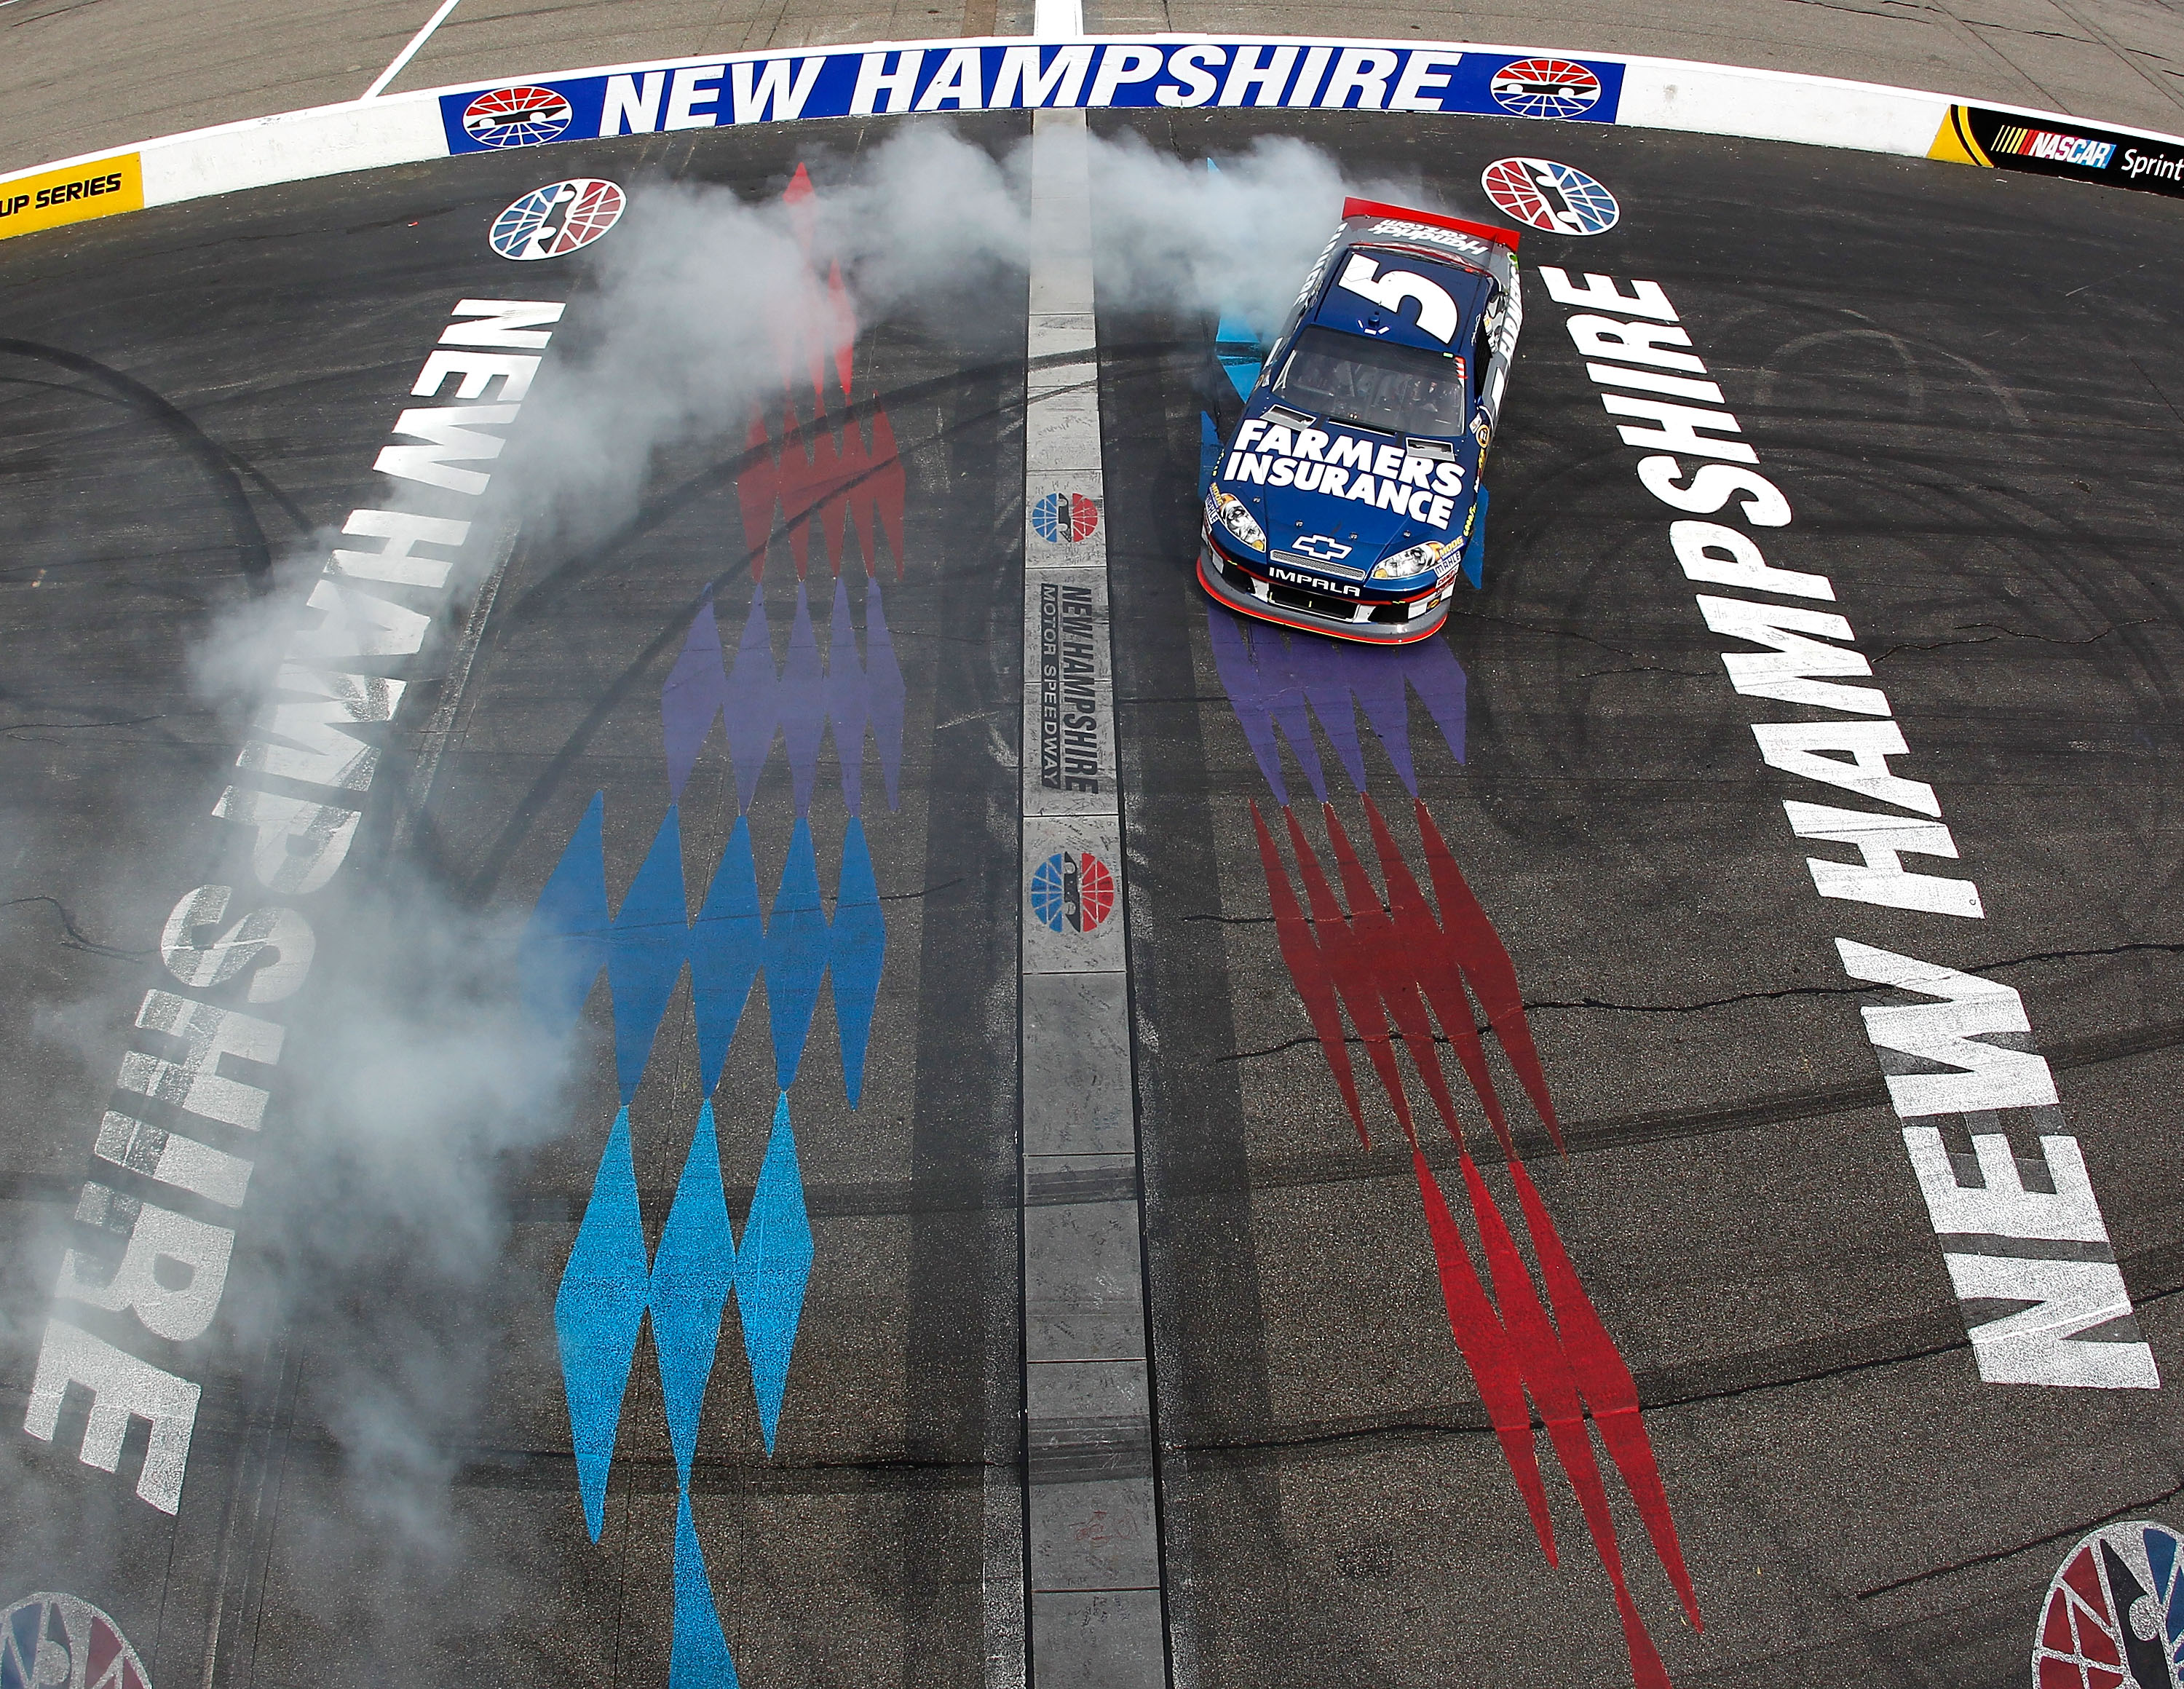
[1170, 71]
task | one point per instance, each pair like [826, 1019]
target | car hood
[1351, 530]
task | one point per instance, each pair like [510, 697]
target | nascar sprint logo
[2058, 149]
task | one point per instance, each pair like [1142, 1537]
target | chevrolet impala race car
[1344, 502]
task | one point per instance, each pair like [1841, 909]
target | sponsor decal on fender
[2019, 1226]
[1996, 140]
[858, 82]
[73, 194]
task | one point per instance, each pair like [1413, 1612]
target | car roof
[1419, 313]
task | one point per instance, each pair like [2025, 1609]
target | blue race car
[1344, 502]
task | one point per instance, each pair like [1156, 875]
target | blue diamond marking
[1236, 348]
[692, 1273]
[699, 1656]
[795, 954]
[725, 943]
[597, 1314]
[564, 945]
[773, 1263]
[650, 939]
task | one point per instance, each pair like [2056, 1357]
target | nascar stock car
[1346, 500]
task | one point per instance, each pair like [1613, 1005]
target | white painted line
[1058, 20]
[410, 51]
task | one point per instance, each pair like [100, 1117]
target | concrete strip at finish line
[1153, 73]
[1094, 1561]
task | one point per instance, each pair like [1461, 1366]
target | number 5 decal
[1437, 313]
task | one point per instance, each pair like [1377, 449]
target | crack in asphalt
[2001, 633]
[2044, 34]
[13, 728]
[2068, 1533]
[74, 938]
[1544, 1004]
[922, 891]
[1898, 17]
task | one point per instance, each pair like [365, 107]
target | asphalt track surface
[77, 78]
[1967, 382]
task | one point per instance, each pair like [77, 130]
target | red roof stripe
[1374, 208]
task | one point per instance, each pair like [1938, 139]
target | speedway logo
[516, 117]
[1347, 467]
[1065, 518]
[2058, 150]
[556, 219]
[1551, 196]
[1072, 890]
[1546, 87]
[2114, 1613]
[56, 1642]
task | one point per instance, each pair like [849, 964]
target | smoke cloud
[707, 302]
[411, 1080]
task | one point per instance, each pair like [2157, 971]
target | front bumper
[1365, 623]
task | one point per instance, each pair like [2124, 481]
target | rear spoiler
[1484, 232]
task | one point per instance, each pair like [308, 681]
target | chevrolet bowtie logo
[1324, 547]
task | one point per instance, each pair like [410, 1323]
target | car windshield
[1374, 384]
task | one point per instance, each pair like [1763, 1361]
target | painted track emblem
[1544, 87]
[1065, 518]
[1549, 196]
[557, 219]
[516, 117]
[56, 1642]
[2114, 1614]
[1072, 890]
